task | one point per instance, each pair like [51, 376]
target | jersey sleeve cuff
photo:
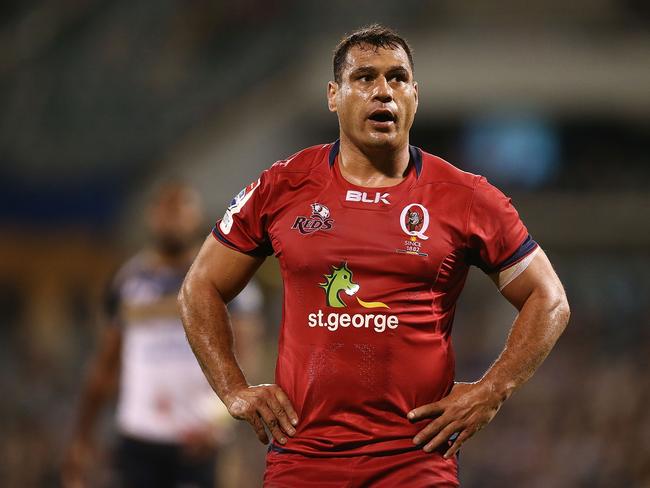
[515, 264]
[526, 248]
[260, 251]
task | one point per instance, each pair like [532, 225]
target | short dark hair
[375, 35]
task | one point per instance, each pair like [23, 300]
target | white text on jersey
[362, 196]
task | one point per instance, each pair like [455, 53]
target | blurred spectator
[170, 421]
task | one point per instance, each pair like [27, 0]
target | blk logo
[362, 196]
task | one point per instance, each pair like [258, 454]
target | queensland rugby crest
[318, 220]
[414, 221]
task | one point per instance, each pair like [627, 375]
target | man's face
[376, 99]
[174, 218]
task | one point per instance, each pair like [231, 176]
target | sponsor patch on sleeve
[235, 206]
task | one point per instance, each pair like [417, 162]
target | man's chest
[406, 239]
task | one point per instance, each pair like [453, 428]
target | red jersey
[371, 278]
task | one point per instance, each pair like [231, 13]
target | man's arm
[217, 275]
[543, 314]
[99, 387]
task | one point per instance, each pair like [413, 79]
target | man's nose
[383, 91]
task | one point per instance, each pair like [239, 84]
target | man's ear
[415, 87]
[332, 90]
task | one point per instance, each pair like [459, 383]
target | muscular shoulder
[287, 176]
[303, 162]
[436, 170]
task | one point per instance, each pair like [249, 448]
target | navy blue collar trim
[334, 150]
[414, 152]
[416, 157]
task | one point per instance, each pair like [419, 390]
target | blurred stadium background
[550, 100]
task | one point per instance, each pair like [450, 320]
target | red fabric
[494, 228]
[414, 469]
[353, 372]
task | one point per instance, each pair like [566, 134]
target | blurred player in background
[170, 421]
[375, 238]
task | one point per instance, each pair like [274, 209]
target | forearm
[536, 329]
[101, 382]
[209, 332]
[543, 314]
[93, 399]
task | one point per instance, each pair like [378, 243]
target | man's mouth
[383, 117]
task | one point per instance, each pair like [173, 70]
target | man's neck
[372, 167]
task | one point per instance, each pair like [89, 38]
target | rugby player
[168, 417]
[374, 238]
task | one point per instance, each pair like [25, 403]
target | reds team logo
[414, 220]
[319, 220]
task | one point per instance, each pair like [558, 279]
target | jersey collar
[414, 152]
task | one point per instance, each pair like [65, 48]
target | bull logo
[319, 210]
[319, 220]
[414, 220]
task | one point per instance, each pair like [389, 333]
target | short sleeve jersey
[371, 279]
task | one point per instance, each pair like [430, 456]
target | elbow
[553, 303]
[561, 310]
[182, 299]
